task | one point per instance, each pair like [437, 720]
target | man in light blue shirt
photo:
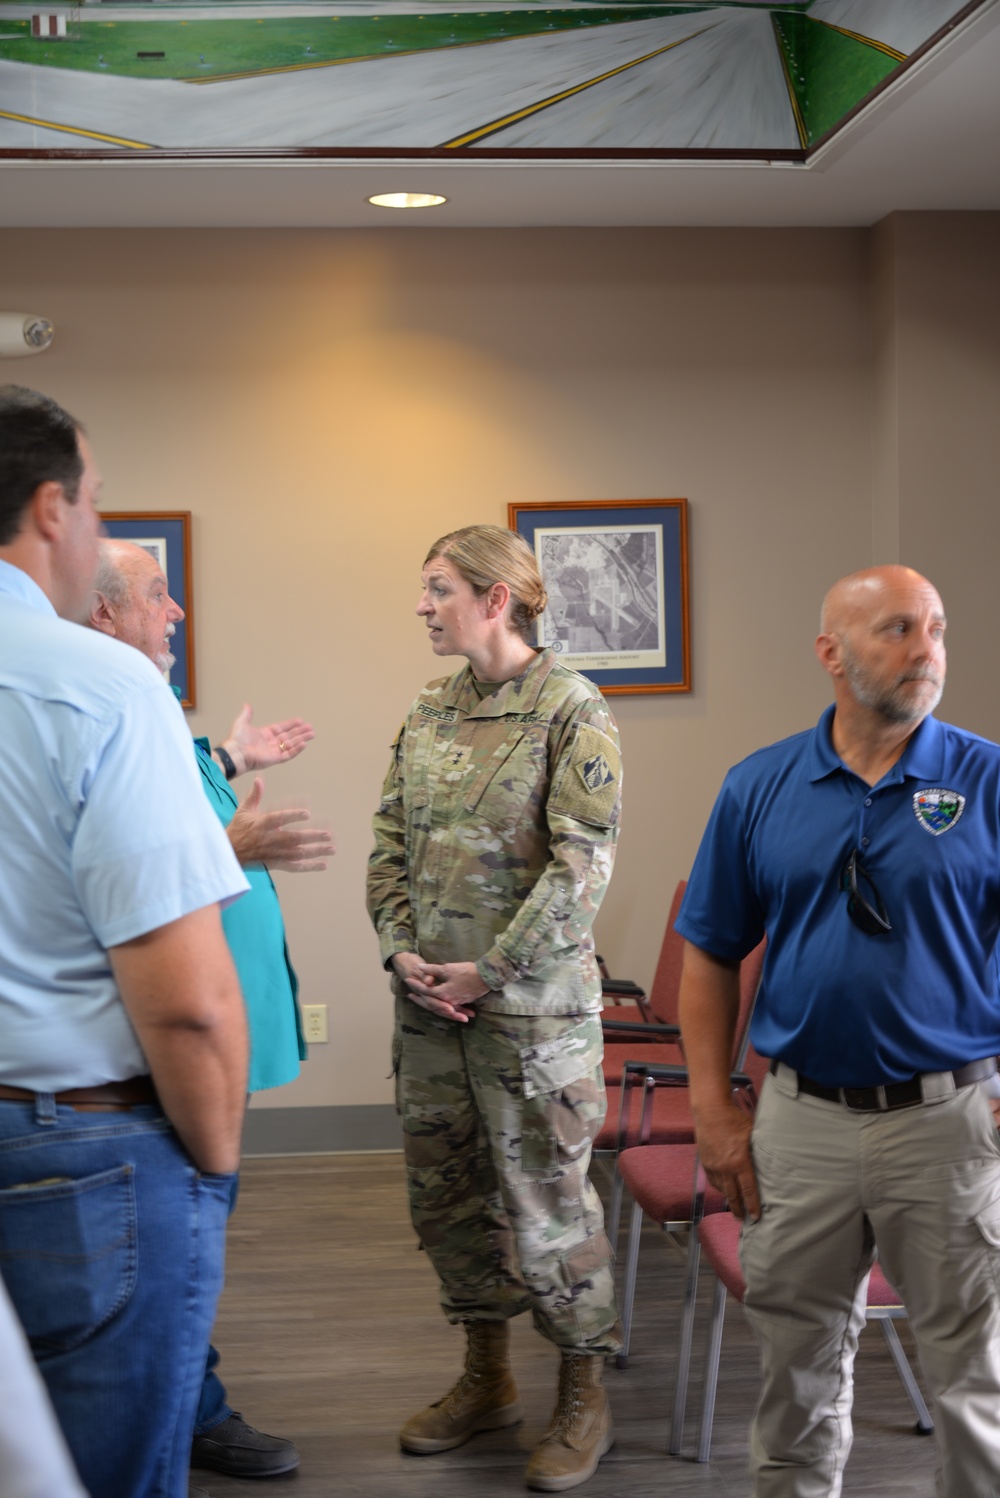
[122, 1033]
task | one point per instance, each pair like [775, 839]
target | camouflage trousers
[498, 1118]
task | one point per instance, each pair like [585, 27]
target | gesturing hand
[254, 748]
[274, 838]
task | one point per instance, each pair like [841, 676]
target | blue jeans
[112, 1246]
[212, 1405]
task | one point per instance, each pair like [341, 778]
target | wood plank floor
[330, 1334]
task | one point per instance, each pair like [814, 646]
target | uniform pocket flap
[552, 1065]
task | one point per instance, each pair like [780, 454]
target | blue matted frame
[171, 530]
[667, 518]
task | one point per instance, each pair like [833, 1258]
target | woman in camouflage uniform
[494, 843]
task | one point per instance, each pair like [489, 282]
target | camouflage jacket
[496, 833]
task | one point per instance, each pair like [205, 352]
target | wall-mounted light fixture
[407, 200]
[23, 333]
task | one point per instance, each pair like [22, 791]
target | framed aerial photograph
[616, 571]
[166, 535]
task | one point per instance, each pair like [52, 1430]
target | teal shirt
[255, 932]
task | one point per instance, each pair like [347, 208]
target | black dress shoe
[236, 1448]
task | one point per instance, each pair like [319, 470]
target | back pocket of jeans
[68, 1255]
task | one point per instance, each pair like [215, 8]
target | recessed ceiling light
[407, 199]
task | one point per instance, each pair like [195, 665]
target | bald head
[860, 593]
[882, 640]
[132, 602]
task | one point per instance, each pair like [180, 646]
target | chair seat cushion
[661, 1179]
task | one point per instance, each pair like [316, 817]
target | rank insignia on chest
[455, 759]
[937, 810]
[595, 773]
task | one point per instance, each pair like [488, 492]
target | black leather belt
[895, 1094]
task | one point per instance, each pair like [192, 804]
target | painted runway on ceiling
[709, 77]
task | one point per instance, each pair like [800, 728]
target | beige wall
[328, 403]
[938, 367]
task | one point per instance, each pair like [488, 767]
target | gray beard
[891, 703]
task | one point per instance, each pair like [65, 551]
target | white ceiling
[932, 142]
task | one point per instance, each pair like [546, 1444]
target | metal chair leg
[712, 1372]
[684, 1340]
[615, 1207]
[631, 1268]
[925, 1424]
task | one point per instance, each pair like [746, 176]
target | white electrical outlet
[314, 1023]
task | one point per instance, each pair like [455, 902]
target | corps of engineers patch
[595, 773]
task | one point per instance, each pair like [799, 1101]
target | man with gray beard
[132, 603]
[868, 849]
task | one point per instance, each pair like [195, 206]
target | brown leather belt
[110, 1097]
[895, 1094]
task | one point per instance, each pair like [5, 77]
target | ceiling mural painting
[515, 77]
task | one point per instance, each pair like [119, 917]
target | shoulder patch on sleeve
[588, 787]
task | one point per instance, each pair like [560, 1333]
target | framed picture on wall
[166, 535]
[616, 571]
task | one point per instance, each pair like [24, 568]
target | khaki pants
[498, 1118]
[923, 1184]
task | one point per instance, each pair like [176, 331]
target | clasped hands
[448, 989]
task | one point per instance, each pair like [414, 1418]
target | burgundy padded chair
[627, 1003]
[668, 1115]
[720, 1237]
[667, 1184]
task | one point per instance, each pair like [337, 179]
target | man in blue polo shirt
[868, 849]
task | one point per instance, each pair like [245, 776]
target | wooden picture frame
[166, 534]
[617, 575]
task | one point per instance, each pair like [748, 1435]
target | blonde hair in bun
[488, 554]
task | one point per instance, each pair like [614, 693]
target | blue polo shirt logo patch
[937, 810]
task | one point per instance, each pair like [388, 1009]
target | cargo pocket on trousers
[564, 1099]
[988, 1223]
[588, 1288]
[68, 1255]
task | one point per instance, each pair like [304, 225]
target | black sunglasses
[866, 910]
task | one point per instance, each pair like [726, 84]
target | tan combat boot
[485, 1397]
[580, 1432]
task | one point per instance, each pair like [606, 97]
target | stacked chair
[667, 1184]
[649, 1106]
[639, 1026]
[719, 1236]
